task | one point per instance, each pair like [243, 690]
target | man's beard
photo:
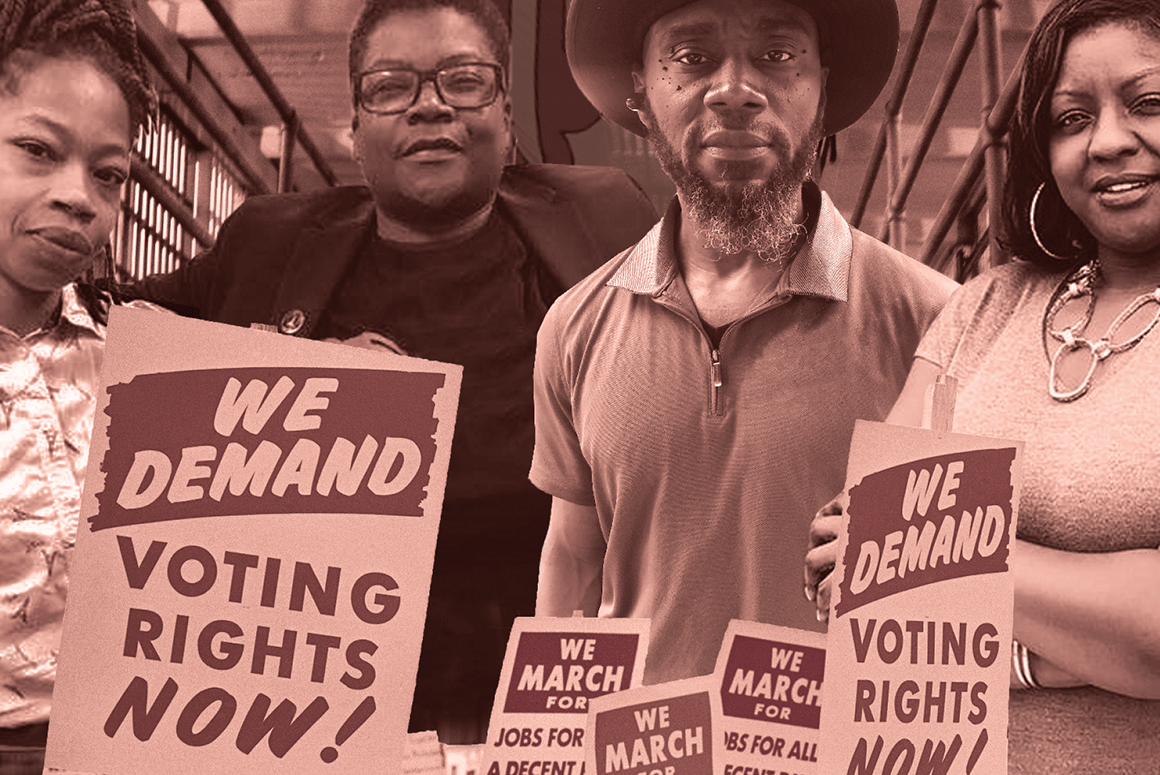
[757, 217]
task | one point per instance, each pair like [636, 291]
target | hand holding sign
[250, 583]
[921, 601]
[937, 415]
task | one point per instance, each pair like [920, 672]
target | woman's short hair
[483, 12]
[1028, 164]
[102, 31]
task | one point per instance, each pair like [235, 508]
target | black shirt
[477, 302]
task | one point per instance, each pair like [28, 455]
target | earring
[630, 103]
[1035, 232]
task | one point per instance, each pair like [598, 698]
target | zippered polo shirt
[706, 464]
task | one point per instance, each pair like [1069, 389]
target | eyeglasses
[466, 86]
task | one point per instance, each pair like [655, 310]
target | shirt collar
[75, 312]
[821, 266]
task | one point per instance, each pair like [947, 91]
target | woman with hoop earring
[1061, 349]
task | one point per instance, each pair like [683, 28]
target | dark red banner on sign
[267, 441]
[780, 683]
[674, 735]
[930, 520]
[559, 672]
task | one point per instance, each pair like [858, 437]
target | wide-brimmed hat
[604, 41]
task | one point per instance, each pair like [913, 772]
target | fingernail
[809, 592]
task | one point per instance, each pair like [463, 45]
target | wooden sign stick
[938, 406]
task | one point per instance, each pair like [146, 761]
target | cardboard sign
[251, 572]
[553, 669]
[919, 646]
[770, 682]
[663, 729]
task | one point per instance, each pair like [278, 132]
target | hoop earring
[1035, 232]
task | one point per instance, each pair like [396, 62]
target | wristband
[1021, 664]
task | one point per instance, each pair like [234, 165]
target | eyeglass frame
[431, 76]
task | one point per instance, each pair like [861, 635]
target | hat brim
[604, 41]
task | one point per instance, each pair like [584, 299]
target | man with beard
[449, 254]
[696, 396]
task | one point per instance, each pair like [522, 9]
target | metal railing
[292, 128]
[979, 185]
[194, 167]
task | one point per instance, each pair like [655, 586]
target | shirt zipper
[715, 379]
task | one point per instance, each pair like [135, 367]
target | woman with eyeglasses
[73, 93]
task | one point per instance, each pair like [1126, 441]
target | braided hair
[101, 30]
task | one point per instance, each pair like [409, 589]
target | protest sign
[553, 669]
[663, 729]
[254, 554]
[919, 643]
[770, 682]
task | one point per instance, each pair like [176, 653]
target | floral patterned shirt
[48, 393]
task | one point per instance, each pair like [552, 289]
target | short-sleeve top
[1091, 483]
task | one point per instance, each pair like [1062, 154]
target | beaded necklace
[1079, 284]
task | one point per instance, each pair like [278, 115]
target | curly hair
[101, 30]
[1028, 163]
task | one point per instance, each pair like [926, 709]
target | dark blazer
[278, 259]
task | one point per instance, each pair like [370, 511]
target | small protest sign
[554, 668]
[919, 642]
[770, 682]
[251, 572]
[663, 729]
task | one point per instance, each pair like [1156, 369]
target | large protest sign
[254, 556]
[663, 729]
[770, 680]
[919, 643]
[554, 668]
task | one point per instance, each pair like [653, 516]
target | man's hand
[823, 554]
[572, 564]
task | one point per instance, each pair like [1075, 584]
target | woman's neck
[399, 232]
[1127, 272]
[22, 312]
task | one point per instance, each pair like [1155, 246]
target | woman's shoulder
[87, 306]
[1019, 275]
[979, 312]
[1007, 286]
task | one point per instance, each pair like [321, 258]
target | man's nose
[736, 88]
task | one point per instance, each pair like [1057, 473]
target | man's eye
[778, 56]
[691, 58]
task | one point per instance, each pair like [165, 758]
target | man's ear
[822, 98]
[637, 82]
